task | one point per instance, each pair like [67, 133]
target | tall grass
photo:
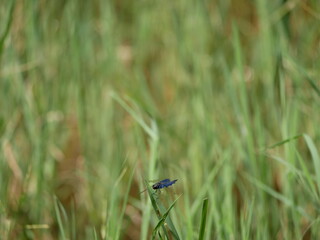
[97, 96]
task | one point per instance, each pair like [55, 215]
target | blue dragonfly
[162, 184]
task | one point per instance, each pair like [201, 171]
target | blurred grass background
[97, 96]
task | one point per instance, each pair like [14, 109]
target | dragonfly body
[162, 184]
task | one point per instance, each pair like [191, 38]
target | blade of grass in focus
[162, 220]
[162, 214]
[172, 228]
[156, 209]
[203, 219]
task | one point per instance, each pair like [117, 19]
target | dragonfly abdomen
[164, 183]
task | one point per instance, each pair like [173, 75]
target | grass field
[99, 97]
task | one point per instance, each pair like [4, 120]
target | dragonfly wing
[170, 183]
[143, 191]
[164, 181]
[161, 184]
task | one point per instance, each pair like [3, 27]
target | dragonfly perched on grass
[162, 184]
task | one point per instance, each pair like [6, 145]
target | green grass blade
[284, 141]
[287, 201]
[7, 27]
[315, 157]
[150, 131]
[206, 186]
[59, 219]
[203, 218]
[308, 176]
[160, 236]
[171, 226]
[95, 236]
[163, 219]
[313, 83]
[246, 221]
[155, 206]
[125, 202]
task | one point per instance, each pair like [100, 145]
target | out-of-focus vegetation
[96, 96]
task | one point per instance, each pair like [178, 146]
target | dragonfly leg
[157, 191]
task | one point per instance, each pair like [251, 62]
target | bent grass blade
[158, 208]
[163, 219]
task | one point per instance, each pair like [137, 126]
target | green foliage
[96, 96]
